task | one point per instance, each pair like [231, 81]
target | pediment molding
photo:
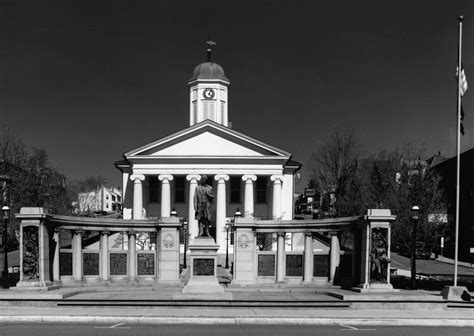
[206, 140]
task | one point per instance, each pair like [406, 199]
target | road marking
[350, 328]
[115, 326]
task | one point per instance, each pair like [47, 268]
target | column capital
[249, 178]
[131, 233]
[78, 231]
[165, 177]
[221, 177]
[333, 233]
[195, 177]
[277, 178]
[281, 234]
[308, 234]
[137, 177]
[105, 232]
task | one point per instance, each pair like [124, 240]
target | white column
[132, 257]
[248, 195]
[221, 210]
[280, 276]
[334, 256]
[165, 195]
[192, 222]
[56, 277]
[308, 257]
[137, 195]
[77, 255]
[105, 255]
[276, 208]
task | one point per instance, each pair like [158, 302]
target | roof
[208, 70]
[202, 127]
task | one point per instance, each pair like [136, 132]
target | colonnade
[308, 255]
[221, 179]
[77, 251]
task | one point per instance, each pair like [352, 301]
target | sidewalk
[135, 306]
[166, 315]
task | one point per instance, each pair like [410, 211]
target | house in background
[447, 170]
[103, 199]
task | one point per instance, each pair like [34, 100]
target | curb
[243, 320]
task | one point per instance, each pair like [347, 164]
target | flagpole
[458, 155]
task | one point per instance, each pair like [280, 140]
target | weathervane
[209, 43]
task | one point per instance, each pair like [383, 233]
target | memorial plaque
[266, 265]
[90, 263]
[146, 264]
[203, 266]
[118, 263]
[65, 263]
[321, 265]
[294, 265]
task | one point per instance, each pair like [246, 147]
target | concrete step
[203, 303]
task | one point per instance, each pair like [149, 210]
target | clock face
[208, 94]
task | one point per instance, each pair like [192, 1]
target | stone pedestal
[375, 252]
[203, 283]
[34, 251]
[455, 293]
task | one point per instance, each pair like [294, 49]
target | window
[179, 189]
[261, 189]
[235, 189]
[154, 189]
[113, 198]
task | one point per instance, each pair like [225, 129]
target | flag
[462, 90]
[463, 84]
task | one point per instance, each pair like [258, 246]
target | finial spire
[209, 43]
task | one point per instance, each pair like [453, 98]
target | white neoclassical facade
[247, 174]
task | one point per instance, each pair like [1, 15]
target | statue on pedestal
[203, 197]
[380, 260]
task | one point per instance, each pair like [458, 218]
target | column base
[374, 288]
[456, 293]
[35, 285]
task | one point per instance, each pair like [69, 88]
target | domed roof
[208, 70]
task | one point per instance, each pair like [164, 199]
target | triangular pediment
[207, 139]
[207, 144]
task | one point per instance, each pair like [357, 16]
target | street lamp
[228, 227]
[415, 212]
[185, 229]
[6, 218]
[173, 213]
[237, 213]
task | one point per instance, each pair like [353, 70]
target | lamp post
[228, 227]
[415, 211]
[185, 229]
[6, 218]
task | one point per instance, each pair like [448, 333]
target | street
[47, 329]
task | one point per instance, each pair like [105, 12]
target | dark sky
[88, 81]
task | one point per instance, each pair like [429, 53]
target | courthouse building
[247, 175]
[160, 178]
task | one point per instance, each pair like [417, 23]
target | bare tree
[333, 168]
